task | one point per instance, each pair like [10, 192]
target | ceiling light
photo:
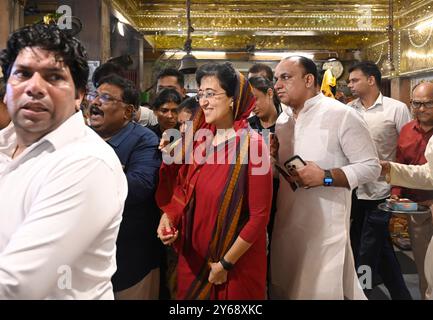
[424, 25]
[121, 28]
[173, 54]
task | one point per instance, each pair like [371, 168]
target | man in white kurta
[416, 177]
[311, 256]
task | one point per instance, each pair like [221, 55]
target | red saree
[213, 204]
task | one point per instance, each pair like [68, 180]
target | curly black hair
[51, 38]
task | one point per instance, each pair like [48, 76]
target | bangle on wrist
[226, 265]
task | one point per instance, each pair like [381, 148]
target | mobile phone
[286, 176]
[294, 162]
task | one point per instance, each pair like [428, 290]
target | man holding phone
[310, 254]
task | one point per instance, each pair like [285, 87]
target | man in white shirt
[145, 116]
[311, 256]
[371, 241]
[62, 187]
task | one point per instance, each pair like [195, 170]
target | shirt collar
[307, 104]
[67, 132]
[312, 102]
[379, 101]
[118, 138]
[57, 138]
[416, 126]
[8, 141]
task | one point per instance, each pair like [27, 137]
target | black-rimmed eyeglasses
[418, 104]
[103, 97]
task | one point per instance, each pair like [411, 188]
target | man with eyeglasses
[418, 176]
[138, 249]
[411, 146]
[370, 237]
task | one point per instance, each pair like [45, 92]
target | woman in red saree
[221, 205]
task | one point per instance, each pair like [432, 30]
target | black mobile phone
[294, 162]
[286, 176]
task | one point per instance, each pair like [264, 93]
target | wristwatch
[328, 180]
[226, 265]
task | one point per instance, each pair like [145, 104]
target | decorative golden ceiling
[235, 25]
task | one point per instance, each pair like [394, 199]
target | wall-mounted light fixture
[121, 28]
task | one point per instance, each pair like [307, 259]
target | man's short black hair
[165, 96]
[130, 93]
[172, 72]
[259, 67]
[369, 69]
[51, 38]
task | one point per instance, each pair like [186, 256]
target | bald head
[422, 103]
[424, 89]
[307, 64]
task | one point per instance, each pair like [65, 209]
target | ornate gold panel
[234, 25]
[339, 41]
[270, 25]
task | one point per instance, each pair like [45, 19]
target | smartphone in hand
[294, 163]
[286, 176]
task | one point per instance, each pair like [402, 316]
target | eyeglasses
[103, 98]
[418, 104]
[207, 95]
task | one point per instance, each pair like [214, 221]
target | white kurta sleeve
[413, 176]
[358, 147]
[78, 201]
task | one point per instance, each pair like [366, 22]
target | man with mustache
[310, 247]
[138, 248]
[62, 188]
